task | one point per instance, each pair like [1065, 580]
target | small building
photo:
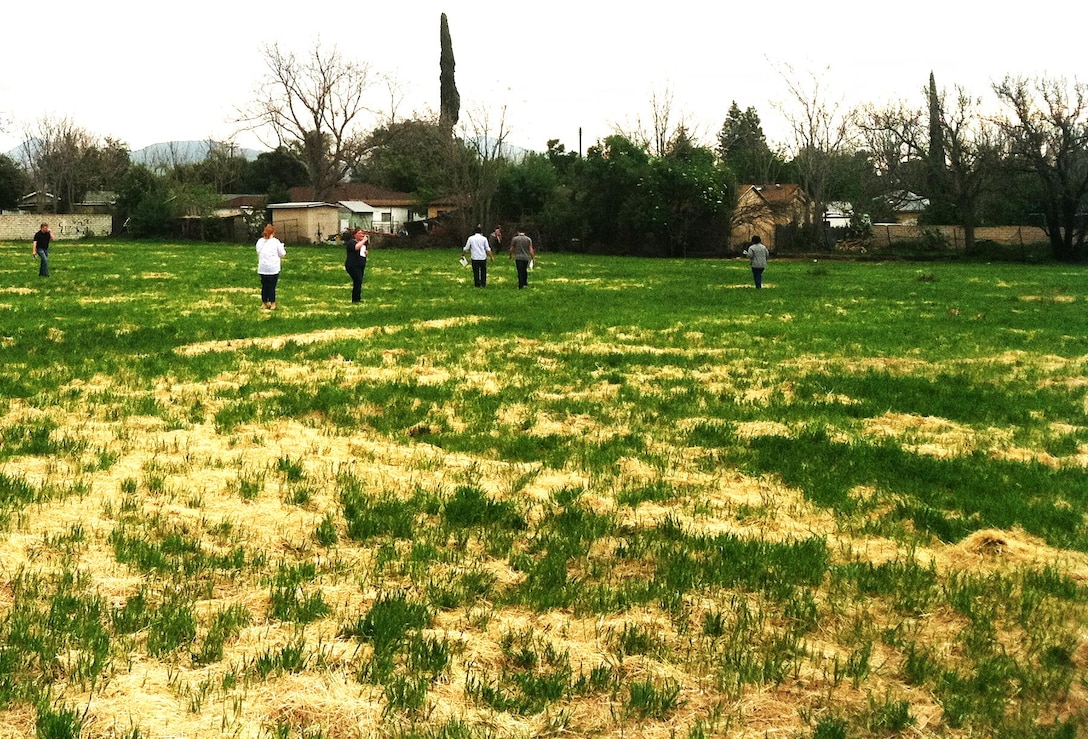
[907, 206]
[763, 208]
[837, 214]
[440, 207]
[391, 210]
[356, 214]
[305, 222]
[38, 202]
[96, 201]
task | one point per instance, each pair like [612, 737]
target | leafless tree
[318, 105]
[951, 157]
[66, 160]
[1048, 132]
[822, 128]
[477, 158]
[663, 129]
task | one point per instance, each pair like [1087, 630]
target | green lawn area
[638, 498]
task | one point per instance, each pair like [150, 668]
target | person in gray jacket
[757, 252]
[521, 249]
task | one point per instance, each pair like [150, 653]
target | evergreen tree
[940, 209]
[743, 148]
[450, 102]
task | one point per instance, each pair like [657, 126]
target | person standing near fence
[479, 251]
[270, 251]
[757, 252]
[42, 239]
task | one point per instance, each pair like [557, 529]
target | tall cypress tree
[940, 210]
[450, 102]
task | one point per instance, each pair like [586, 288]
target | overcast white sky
[149, 73]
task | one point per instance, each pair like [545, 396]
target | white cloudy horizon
[547, 70]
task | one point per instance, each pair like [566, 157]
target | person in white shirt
[270, 251]
[757, 252]
[479, 251]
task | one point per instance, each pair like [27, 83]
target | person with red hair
[270, 251]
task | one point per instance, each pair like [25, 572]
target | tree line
[1019, 157]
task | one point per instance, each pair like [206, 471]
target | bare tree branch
[319, 106]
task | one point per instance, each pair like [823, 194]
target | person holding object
[521, 249]
[42, 240]
[479, 251]
[757, 252]
[355, 246]
[270, 251]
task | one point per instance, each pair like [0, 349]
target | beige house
[762, 208]
[389, 210]
[306, 222]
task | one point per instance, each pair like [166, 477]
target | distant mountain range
[170, 153]
[164, 154]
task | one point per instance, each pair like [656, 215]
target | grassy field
[639, 498]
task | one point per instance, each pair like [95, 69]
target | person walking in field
[270, 251]
[355, 246]
[480, 252]
[757, 253]
[521, 249]
[42, 239]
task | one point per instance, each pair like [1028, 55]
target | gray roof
[310, 204]
[357, 206]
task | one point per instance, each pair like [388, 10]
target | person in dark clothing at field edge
[41, 248]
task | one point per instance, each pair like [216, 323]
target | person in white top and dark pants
[270, 251]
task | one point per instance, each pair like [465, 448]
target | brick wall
[884, 234]
[22, 227]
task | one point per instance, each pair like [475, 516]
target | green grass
[624, 500]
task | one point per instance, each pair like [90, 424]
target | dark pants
[268, 288]
[356, 272]
[523, 272]
[479, 272]
[43, 268]
[757, 275]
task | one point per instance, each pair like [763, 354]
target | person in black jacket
[355, 248]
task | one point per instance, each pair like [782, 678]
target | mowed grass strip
[639, 497]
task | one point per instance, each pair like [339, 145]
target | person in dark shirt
[355, 248]
[42, 240]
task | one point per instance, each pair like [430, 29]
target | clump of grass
[326, 533]
[652, 700]
[470, 507]
[171, 625]
[366, 518]
[291, 657]
[387, 622]
[226, 624]
[290, 600]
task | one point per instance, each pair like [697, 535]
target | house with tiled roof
[762, 208]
